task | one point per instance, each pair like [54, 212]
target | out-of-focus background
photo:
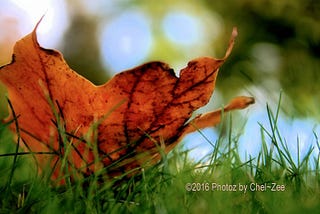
[277, 51]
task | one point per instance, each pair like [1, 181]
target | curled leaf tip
[34, 32]
[234, 34]
[240, 102]
[38, 23]
[213, 118]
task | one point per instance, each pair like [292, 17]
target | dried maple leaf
[134, 112]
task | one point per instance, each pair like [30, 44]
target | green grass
[162, 188]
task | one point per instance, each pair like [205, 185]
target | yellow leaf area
[118, 126]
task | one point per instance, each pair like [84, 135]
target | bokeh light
[183, 29]
[126, 40]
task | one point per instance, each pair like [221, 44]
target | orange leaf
[135, 111]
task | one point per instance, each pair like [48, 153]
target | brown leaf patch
[135, 111]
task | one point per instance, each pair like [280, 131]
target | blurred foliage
[82, 51]
[293, 28]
